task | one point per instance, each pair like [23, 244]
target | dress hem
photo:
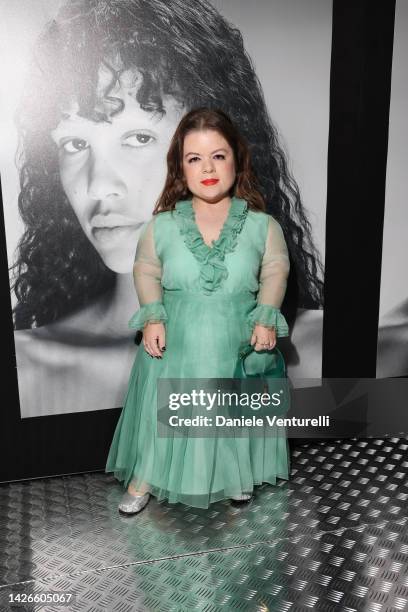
[162, 495]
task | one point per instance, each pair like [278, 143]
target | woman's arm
[266, 319]
[147, 273]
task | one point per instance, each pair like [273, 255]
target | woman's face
[113, 173]
[208, 157]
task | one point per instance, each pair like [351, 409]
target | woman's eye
[139, 139]
[74, 145]
[217, 156]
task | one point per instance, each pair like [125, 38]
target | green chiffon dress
[209, 299]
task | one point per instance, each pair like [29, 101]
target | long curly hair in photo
[188, 51]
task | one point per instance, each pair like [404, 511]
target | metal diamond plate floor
[332, 538]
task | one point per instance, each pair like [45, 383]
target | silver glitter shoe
[244, 498]
[132, 504]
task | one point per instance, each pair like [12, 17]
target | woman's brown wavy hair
[175, 187]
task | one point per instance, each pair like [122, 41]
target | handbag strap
[246, 350]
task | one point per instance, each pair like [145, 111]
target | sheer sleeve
[147, 273]
[272, 282]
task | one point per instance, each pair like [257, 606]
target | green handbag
[254, 364]
[269, 368]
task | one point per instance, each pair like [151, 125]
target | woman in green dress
[210, 272]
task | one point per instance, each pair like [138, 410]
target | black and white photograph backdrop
[92, 91]
[392, 354]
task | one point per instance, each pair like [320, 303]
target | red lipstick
[210, 181]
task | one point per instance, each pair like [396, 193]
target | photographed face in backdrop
[112, 173]
[208, 157]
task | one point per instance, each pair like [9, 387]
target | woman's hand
[264, 338]
[154, 339]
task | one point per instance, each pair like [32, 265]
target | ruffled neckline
[211, 258]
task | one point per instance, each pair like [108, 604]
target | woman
[108, 86]
[201, 260]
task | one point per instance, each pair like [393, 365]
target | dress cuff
[149, 313]
[269, 316]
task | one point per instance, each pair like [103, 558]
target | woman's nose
[208, 165]
[104, 180]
